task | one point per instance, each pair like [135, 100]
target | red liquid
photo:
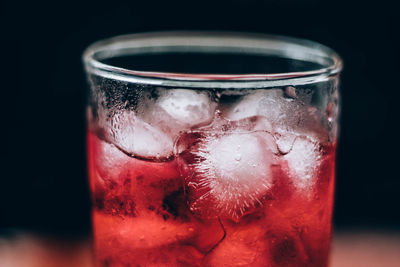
[148, 214]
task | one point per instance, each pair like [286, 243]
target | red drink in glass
[167, 213]
[211, 169]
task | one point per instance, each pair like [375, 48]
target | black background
[43, 177]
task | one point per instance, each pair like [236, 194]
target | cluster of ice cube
[151, 131]
[288, 116]
[234, 172]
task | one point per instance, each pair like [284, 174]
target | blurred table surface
[355, 249]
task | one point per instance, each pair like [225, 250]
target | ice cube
[188, 107]
[227, 174]
[285, 235]
[303, 160]
[287, 110]
[286, 248]
[144, 231]
[265, 103]
[177, 110]
[244, 245]
[138, 138]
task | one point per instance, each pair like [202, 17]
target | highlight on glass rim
[211, 149]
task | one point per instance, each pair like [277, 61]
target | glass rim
[192, 41]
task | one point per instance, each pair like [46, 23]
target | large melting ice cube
[227, 174]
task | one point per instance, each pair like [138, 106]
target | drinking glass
[211, 149]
